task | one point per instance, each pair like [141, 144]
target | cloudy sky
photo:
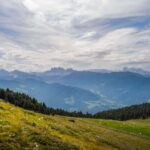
[83, 34]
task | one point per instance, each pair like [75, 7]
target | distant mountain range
[88, 91]
[137, 70]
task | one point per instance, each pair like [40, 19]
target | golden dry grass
[22, 129]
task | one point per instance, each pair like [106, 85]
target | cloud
[83, 34]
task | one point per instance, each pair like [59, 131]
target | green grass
[22, 129]
[137, 127]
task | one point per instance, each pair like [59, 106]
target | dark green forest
[29, 103]
[141, 111]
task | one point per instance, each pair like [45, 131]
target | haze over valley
[86, 91]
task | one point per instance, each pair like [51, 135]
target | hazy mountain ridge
[54, 95]
[91, 91]
[137, 70]
[126, 86]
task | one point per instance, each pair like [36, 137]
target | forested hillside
[133, 112]
[141, 111]
[25, 101]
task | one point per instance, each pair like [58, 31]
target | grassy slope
[20, 129]
[134, 127]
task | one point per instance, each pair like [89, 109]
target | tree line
[141, 111]
[29, 103]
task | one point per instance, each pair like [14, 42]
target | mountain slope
[124, 88]
[80, 90]
[126, 113]
[29, 130]
[22, 100]
[54, 95]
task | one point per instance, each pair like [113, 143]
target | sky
[36, 35]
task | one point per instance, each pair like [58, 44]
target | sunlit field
[22, 129]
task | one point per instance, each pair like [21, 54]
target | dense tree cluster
[26, 102]
[141, 111]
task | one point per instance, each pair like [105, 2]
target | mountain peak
[59, 71]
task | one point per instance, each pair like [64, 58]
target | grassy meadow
[25, 130]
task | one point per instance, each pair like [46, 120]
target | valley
[85, 91]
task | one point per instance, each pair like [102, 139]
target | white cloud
[83, 34]
[31, 5]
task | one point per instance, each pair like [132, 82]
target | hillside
[22, 129]
[140, 111]
[24, 101]
[119, 88]
[87, 91]
[69, 98]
